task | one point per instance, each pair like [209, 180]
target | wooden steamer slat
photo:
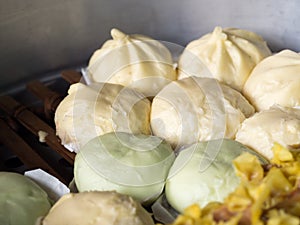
[71, 76]
[28, 156]
[50, 98]
[31, 157]
[34, 124]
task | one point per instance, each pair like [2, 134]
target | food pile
[216, 133]
[267, 194]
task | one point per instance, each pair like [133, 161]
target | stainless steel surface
[39, 36]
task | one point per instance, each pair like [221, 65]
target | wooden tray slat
[71, 76]
[40, 90]
[27, 155]
[50, 98]
[34, 124]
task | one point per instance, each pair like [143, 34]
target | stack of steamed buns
[227, 84]
[143, 124]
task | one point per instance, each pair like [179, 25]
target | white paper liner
[54, 188]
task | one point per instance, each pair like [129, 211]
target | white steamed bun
[228, 55]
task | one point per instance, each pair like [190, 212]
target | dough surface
[228, 55]
[22, 201]
[135, 165]
[275, 80]
[277, 124]
[137, 61]
[89, 111]
[97, 208]
[197, 109]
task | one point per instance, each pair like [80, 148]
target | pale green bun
[135, 165]
[22, 201]
[204, 173]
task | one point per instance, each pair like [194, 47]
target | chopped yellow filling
[267, 194]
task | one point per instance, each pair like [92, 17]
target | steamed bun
[95, 208]
[135, 60]
[22, 201]
[136, 165]
[89, 111]
[228, 55]
[263, 129]
[275, 80]
[197, 109]
[203, 173]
